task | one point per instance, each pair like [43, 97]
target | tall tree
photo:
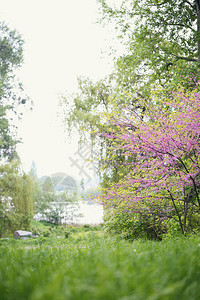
[162, 47]
[33, 170]
[162, 38]
[11, 91]
[16, 198]
[83, 112]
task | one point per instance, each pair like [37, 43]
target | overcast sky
[62, 42]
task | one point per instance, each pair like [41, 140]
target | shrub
[67, 234]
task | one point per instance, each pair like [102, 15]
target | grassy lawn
[92, 265]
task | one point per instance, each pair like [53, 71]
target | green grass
[91, 265]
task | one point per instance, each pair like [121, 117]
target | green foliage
[81, 108]
[161, 39]
[83, 112]
[100, 268]
[157, 186]
[86, 226]
[11, 92]
[173, 228]
[67, 234]
[16, 201]
[52, 197]
[50, 203]
[134, 225]
[47, 185]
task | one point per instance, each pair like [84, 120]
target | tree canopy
[162, 40]
[162, 47]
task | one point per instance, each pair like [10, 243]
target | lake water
[83, 213]
[91, 214]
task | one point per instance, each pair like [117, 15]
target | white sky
[62, 42]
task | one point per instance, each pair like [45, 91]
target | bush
[132, 226]
[13, 222]
[67, 234]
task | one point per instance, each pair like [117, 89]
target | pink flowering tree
[163, 181]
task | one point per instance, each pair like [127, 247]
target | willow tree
[16, 198]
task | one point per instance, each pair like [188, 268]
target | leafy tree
[16, 200]
[47, 185]
[163, 182]
[11, 91]
[80, 109]
[54, 201]
[162, 39]
[63, 208]
[56, 207]
[33, 170]
[83, 110]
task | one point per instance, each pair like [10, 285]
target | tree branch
[177, 213]
[168, 65]
[185, 58]
[190, 4]
[181, 25]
